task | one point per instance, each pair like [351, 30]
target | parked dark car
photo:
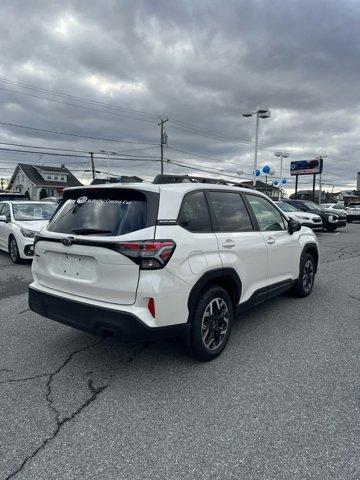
[331, 220]
[12, 196]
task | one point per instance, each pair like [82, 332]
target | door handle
[270, 240]
[228, 243]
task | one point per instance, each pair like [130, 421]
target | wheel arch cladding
[227, 278]
[312, 249]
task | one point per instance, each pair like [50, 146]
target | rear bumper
[98, 320]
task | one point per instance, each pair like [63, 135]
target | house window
[56, 177]
[63, 178]
[48, 177]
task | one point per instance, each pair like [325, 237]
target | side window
[194, 214]
[229, 211]
[268, 217]
[6, 211]
[300, 206]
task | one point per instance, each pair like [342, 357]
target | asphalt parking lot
[282, 402]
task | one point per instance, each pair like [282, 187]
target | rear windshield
[101, 213]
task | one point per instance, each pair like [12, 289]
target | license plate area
[68, 265]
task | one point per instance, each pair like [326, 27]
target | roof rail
[161, 179]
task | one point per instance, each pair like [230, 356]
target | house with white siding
[39, 181]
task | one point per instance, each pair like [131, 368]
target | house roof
[33, 174]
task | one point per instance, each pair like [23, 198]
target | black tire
[305, 282]
[14, 250]
[331, 228]
[349, 220]
[209, 335]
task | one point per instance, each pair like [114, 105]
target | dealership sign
[306, 167]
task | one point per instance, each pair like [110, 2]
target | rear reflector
[148, 254]
[151, 306]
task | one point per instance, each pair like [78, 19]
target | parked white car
[337, 207]
[145, 261]
[19, 222]
[353, 212]
[306, 219]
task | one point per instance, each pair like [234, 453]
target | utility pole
[162, 142]
[92, 164]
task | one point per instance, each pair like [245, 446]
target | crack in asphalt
[95, 391]
[23, 311]
[355, 298]
[343, 253]
[14, 380]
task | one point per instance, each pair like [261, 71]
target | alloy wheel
[13, 250]
[308, 276]
[215, 323]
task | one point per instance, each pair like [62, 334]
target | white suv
[146, 261]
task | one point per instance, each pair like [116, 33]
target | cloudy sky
[111, 69]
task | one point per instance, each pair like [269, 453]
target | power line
[75, 134]
[143, 116]
[77, 98]
[206, 157]
[65, 149]
[202, 169]
[114, 157]
[77, 105]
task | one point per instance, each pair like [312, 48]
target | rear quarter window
[194, 213]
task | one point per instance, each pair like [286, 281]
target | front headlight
[299, 219]
[333, 218]
[27, 233]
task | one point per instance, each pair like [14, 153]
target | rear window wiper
[89, 231]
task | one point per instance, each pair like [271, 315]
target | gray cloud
[202, 62]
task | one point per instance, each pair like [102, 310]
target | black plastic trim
[98, 320]
[227, 274]
[306, 249]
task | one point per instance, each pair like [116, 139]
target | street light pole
[282, 155]
[261, 112]
[256, 148]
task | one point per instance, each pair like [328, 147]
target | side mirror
[3, 218]
[293, 226]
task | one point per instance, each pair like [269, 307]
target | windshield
[312, 205]
[103, 214]
[27, 211]
[285, 207]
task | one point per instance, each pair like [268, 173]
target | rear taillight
[151, 307]
[148, 254]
